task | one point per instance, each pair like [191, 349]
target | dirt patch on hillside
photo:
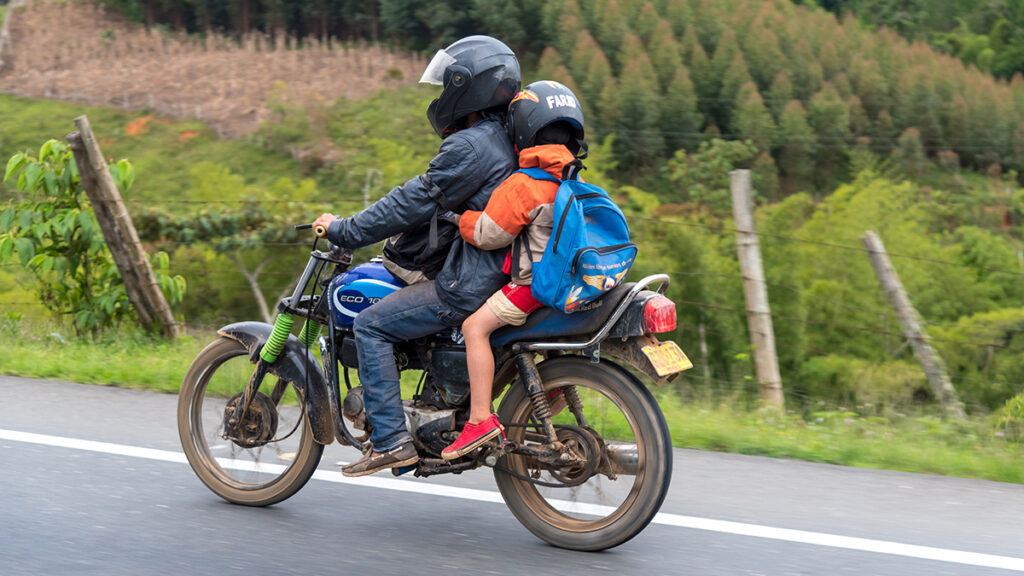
[76, 51]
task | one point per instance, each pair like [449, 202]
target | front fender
[292, 367]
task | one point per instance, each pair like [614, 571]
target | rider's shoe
[371, 462]
[472, 437]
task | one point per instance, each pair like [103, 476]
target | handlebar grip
[320, 231]
[303, 226]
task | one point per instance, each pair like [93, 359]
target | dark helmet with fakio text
[547, 112]
[478, 73]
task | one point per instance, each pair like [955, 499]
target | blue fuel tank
[355, 290]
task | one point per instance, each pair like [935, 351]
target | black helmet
[478, 73]
[549, 107]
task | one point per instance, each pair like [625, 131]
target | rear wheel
[267, 458]
[623, 439]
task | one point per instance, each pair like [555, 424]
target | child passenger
[545, 122]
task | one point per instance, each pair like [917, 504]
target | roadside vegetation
[845, 129]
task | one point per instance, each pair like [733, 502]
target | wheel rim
[600, 501]
[237, 466]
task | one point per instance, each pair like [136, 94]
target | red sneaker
[472, 437]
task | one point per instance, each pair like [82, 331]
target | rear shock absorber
[572, 398]
[531, 379]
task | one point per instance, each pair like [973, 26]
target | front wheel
[263, 460]
[627, 446]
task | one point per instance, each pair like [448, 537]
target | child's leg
[477, 331]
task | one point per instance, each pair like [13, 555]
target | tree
[664, 52]
[917, 106]
[646, 23]
[599, 74]
[678, 13]
[910, 153]
[582, 54]
[638, 141]
[703, 81]
[612, 29]
[550, 61]
[753, 121]
[869, 84]
[805, 70]
[761, 49]
[54, 234]
[736, 77]
[725, 55]
[797, 145]
[681, 118]
[859, 123]
[829, 116]
[780, 94]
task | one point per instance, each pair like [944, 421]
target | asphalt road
[92, 481]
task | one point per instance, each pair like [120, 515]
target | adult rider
[480, 76]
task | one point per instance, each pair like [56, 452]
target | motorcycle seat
[548, 323]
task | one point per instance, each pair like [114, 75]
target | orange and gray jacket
[520, 204]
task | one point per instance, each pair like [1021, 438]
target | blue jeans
[412, 312]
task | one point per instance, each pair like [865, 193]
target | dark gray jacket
[468, 167]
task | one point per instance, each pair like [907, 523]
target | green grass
[914, 444]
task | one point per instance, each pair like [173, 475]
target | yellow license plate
[667, 358]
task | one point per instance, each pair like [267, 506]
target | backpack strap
[435, 193]
[572, 170]
[538, 174]
[521, 241]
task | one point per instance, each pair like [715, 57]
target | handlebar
[319, 231]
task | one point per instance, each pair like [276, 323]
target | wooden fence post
[759, 315]
[934, 367]
[119, 232]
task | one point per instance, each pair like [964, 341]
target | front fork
[269, 354]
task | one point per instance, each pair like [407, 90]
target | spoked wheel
[257, 459]
[623, 458]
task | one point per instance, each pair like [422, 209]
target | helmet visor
[434, 74]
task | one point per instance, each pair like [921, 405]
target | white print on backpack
[563, 100]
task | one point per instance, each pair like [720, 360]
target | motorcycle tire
[244, 478]
[554, 521]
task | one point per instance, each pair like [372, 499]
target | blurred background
[240, 118]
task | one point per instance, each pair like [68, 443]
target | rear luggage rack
[592, 347]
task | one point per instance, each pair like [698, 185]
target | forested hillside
[667, 74]
[986, 34]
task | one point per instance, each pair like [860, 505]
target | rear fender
[291, 366]
[630, 351]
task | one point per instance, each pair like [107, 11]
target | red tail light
[660, 315]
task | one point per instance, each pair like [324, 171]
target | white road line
[663, 518]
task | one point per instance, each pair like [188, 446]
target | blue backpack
[589, 252]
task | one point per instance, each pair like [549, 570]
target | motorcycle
[587, 458]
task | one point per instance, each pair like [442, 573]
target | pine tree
[599, 74]
[797, 144]
[639, 142]
[959, 135]
[859, 123]
[766, 176]
[804, 70]
[646, 23]
[703, 81]
[830, 63]
[761, 49]
[917, 106]
[550, 61]
[680, 15]
[680, 117]
[632, 49]
[780, 94]
[725, 54]
[612, 29]
[736, 77]
[608, 106]
[664, 52]
[707, 23]
[563, 19]
[910, 153]
[884, 131]
[582, 54]
[753, 121]
[688, 44]
[869, 84]
[829, 116]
